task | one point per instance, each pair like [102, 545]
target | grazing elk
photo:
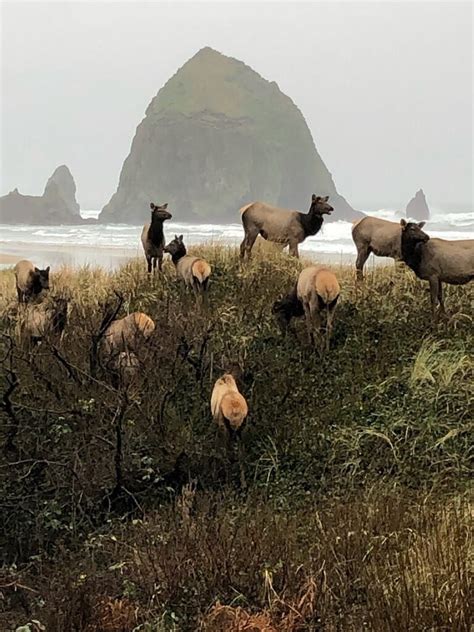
[228, 406]
[122, 346]
[127, 334]
[371, 234]
[46, 319]
[153, 239]
[286, 308]
[30, 281]
[280, 225]
[437, 261]
[194, 271]
[318, 290]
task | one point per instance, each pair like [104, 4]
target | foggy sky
[386, 88]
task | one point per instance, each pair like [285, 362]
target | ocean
[109, 245]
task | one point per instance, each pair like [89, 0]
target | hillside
[217, 136]
[346, 507]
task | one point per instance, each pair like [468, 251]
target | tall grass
[122, 509]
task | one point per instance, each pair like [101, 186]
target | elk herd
[314, 295]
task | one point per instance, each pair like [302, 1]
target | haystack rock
[57, 205]
[417, 207]
[217, 136]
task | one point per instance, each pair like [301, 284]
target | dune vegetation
[347, 505]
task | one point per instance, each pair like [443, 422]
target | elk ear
[47, 270]
[152, 206]
[403, 224]
[176, 237]
[37, 270]
[180, 238]
[165, 205]
[313, 197]
[326, 198]
[421, 224]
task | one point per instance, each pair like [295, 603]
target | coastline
[110, 257]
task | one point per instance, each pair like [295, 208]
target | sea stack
[218, 136]
[57, 205]
[417, 207]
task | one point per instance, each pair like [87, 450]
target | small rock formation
[218, 136]
[61, 186]
[57, 205]
[417, 207]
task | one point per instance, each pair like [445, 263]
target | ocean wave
[334, 237]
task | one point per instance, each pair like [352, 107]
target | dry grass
[123, 511]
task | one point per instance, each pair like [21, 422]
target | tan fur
[37, 320]
[189, 267]
[451, 261]
[313, 282]
[24, 270]
[372, 234]
[244, 208]
[126, 333]
[280, 224]
[227, 403]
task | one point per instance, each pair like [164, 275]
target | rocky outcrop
[61, 186]
[417, 207]
[57, 205]
[218, 136]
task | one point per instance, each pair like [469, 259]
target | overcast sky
[386, 88]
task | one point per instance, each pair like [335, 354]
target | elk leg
[309, 323]
[154, 265]
[248, 243]
[362, 256]
[317, 322]
[148, 261]
[160, 261]
[293, 250]
[440, 298]
[434, 289]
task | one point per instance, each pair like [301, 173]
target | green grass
[357, 461]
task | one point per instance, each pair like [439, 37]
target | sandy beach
[112, 257]
[54, 255]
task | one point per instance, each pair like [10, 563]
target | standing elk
[437, 261]
[228, 406]
[30, 281]
[153, 238]
[318, 290]
[280, 225]
[194, 271]
[372, 234]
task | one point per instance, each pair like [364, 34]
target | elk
[437, 261]
[121, 346]
[286, 308]
[126, 334]
[318, 290]
[30, 281]
[44, 319]
[371, 234]
[194, 271]
[228, 406]
[280, 225]
[153, 239]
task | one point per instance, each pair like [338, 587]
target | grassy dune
[123, 510]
